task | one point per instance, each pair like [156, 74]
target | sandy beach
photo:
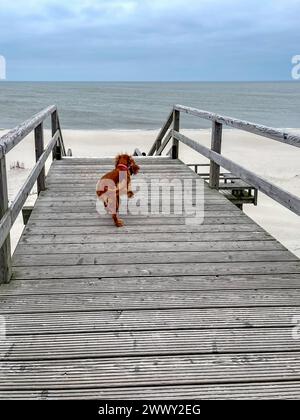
[276, 162]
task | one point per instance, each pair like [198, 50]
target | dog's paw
[130, 194]
[119, 223]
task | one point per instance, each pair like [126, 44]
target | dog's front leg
[130, 193]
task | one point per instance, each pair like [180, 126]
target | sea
[145, 106]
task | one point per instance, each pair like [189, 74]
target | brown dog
[116, 183]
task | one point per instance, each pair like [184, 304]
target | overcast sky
[149, 39]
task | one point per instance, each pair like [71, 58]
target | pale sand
[277, 162]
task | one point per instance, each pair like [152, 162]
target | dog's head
[129, 162]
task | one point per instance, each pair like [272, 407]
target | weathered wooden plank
[86, 161]
[134, 247]
[48, 213]
[99, 169]
[255, 391]
[142, 237]
[210, 217]
[155, 370]
[134, 228]
[148, 300]
[154, 257]
[90, 208]
[141, 284]
[142, 343]
[155, 270]
[149, 319]
[148, 174]
[88, 192]
[54, 200]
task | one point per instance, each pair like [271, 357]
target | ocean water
[145, 106]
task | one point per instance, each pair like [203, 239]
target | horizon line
[149, 81]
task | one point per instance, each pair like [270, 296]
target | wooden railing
[170, 131]
[9, 214]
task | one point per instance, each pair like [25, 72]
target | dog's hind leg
[118, 222]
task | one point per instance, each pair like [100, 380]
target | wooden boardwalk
[157, 309]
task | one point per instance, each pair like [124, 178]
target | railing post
[56, 154]
[216, 144]
[39, 149]
[176, 127]
[5, 250]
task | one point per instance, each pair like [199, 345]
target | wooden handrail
[278, 194]
[9, 214]
[165, 143]
[261, 130]
[17, 134]
[283, 197]
[161, 134]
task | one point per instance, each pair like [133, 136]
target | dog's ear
[134, 168]
[117, 160]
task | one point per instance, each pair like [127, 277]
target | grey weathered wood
[167, 235]
[148, 270]
[14, 136]
[15, 208]
[216, 144]
[263, 391]
[149, 319]
[133, 247]
[155, 370]
[141, 343]
[156, 304]
[261, 130]
[161, 135]
[176, 127]
[283, 197]
[162, 146]
[215, 218]
[147, 284]
[60, 139]
[253, 231]
[150, 257]
[23, 194]
[148, 300]
[56, 151]
[5, 250]
[39, 150]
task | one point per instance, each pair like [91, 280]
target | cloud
[199, 38]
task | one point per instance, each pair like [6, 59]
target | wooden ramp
[157, 309]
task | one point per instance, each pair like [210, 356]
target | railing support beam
[57, 152]
[5, 250]
[216, 145]
[176, 127]
[39, 150]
